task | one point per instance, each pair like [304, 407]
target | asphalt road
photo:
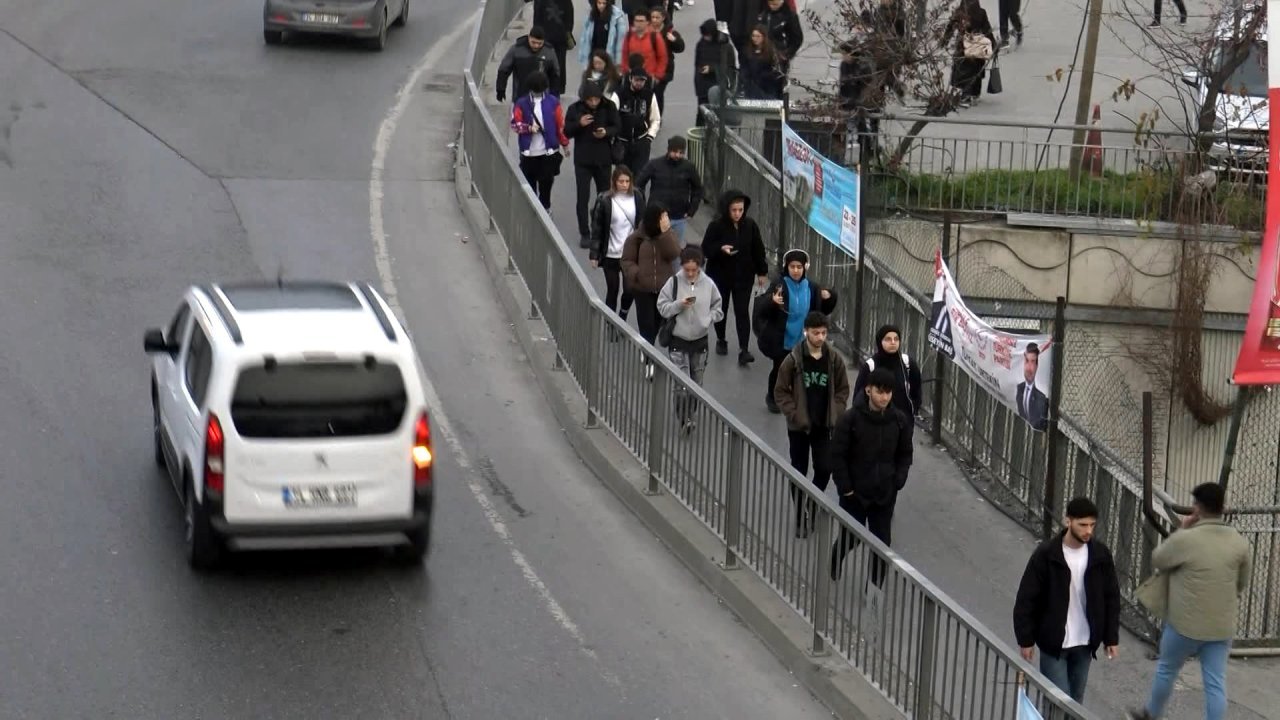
[145, 146]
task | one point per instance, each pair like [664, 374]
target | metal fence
[985, 437]
[925, 653]
[999, 166]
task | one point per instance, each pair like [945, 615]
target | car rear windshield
[313, 399]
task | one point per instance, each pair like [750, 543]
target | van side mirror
[1192, 78]
[153, 342]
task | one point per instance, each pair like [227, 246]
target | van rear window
[312, 399]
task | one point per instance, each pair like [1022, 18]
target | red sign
[1259, 360]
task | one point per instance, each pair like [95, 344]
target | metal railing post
[822, 582]
[732, 502]
[926, 660]
[658, 413]
[592, 373]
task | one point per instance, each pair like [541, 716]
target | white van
[1241, 123]
[292, 415]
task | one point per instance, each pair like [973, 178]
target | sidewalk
[967, 547]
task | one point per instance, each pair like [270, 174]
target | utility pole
[1085, 98]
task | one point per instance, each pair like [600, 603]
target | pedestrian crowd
[632, 213]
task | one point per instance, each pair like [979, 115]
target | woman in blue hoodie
[605, 27]
[778, 316]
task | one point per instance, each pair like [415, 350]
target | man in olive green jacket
[1208, 565]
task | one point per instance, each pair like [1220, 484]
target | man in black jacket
[641, 119]
[676, 184]
[715, 64]
[592, 123]
[736, 261]
[556, 19]
[871, 453]
[1069, 602]
[529, 53]
[784, 31]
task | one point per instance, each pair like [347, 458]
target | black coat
[760, 78]
[587, 148]
[717, 54]
[769, 322]
[908, 392]
[871, 452]
[676, 184]
[740, 269]
[673, 47]
[556, 19]
[602, 221]
[785, 30]
[520, 62]
[1040, 610]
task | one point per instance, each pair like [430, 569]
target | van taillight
[213, 455]
[422, 456]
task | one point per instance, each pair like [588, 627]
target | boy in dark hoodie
[715, 64]
[592, 123]
[871, 453]
[908, 391]
[737, 263]
[779, 313]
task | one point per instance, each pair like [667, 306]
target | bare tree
[892, 48]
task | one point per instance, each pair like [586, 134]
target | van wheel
[411, 555]
[404, 15]
[379, 42]
[204, 549]
[273, 37]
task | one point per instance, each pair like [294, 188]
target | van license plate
[321, 18]
[296, 496]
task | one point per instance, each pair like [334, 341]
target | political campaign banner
[1015, 368]
[824, 193]
[1258, 362]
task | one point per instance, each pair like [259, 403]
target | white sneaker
[648, 371]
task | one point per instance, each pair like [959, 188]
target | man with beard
[1069, 602]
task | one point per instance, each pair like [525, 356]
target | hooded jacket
[588, 149]
[740, 269]
[602, 221]
[1044, 598]
[717, 54]
[676, 184]
[520, 61]
[871, 452]
[908, 390]
[617, 24]
[792, 398]
[769, 320]
[647, 255]
[693, 322]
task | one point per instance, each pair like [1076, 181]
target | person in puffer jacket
[779, 313]
[737, 263]
[647, 259]
[871, 454]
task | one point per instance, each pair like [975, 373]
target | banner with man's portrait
[1015, 368]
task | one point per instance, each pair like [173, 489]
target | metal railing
[995, 166]
[982, 434]
[925, 653]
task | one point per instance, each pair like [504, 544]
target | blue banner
[824, 193]
[1027, 709]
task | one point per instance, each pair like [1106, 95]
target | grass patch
[1146, 195]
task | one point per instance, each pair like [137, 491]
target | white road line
[382, 260]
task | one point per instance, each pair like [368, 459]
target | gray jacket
[692, 322]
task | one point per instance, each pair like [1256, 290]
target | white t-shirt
[622, 222]
[1077, 620]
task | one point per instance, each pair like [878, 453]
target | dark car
[367, 19]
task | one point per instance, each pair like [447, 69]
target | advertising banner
[822, 191]
[1027, 709]
[1259, 360]
[1015, 368]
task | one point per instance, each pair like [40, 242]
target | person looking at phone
[737, 264]
[779, 313]
[694, 301]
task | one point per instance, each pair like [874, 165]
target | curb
[788, 636]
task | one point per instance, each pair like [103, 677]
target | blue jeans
[678, 226]
[1069, 671]
[1174, 651]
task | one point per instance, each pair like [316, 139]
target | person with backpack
[692, 303]
[812, 393]
[908, 392]
[648, 43]
[659, 23]
[779, 313]
[641, 119]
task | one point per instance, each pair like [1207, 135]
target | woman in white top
[615, 215]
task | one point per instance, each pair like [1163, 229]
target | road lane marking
[440, 421]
